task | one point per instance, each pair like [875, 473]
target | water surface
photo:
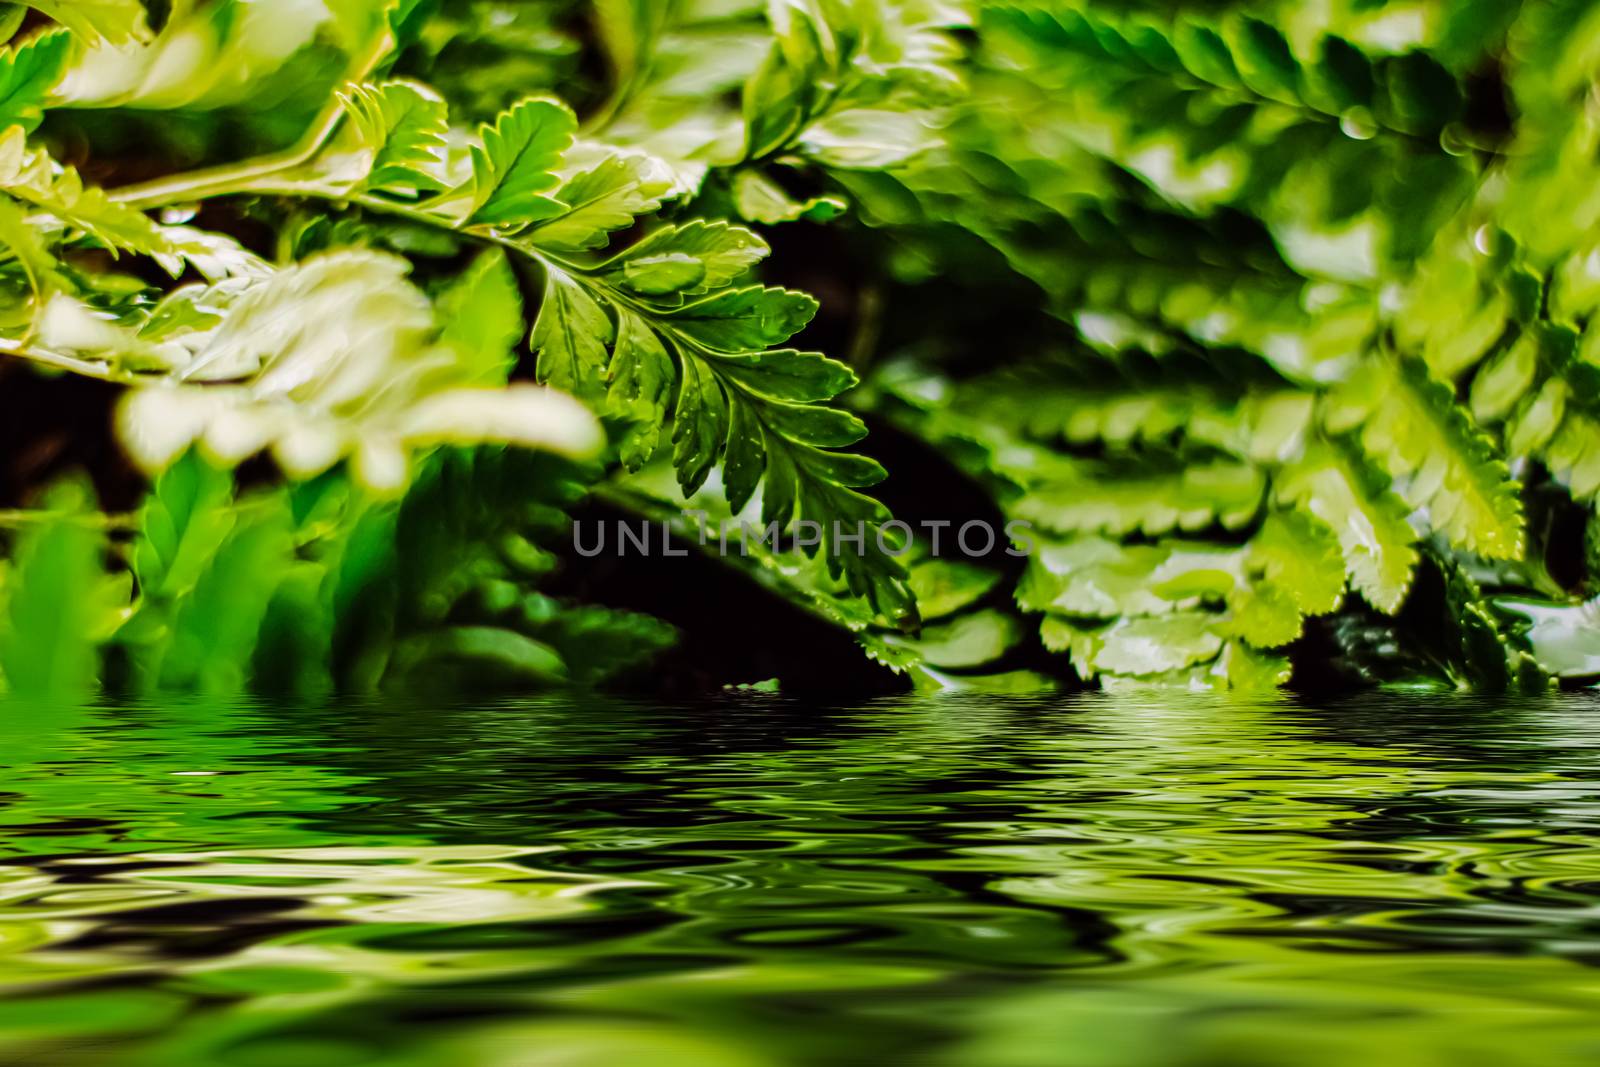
[1102, 882]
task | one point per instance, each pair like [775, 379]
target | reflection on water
[957, 883]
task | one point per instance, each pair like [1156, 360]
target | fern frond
[663, 326]
[1300, 555]
[1223, 111]
[1573, 451]
[1065, 496]
[1369, 521]
[61, 192]
[1528, 356]
[514, 165]
[401, 126]
[1409, 94]
[1185, 651]
[1246, 590]
[1264, 425]
[1411, 427]
[1094, 577]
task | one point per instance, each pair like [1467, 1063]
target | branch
[229, 178]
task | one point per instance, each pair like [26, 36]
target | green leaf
[745, 320]
[28, 72]
[1301, 556]
[785, 374]
[1204, 53]
[215, 630]
[597, 644]
[1501, 383]
[515, 164]
[1452, 342]
[1265, 426]
[1145, 646]
[726, 252]
[1537, 419]
[1243, 669]
[1098, 578]
[1265, 615]
[1346, 74]
[183, 520]
[1173, 652]
[760, 199]
[805, 35]
[439, 593]
[1411, 427]
[1090, 578]
[1476, 651]
[700, 427]
[1368, 520]
[777, 105]
[572, 336]
[658, 275]
[868, 139]
[12, 17]
[606, 197]
[55, 603]
[1343, 186]
[294, 645]
[32, 177]
[481, 316]
[462, 563]
[629, 29]
[25, 244]
[745, 458]
[735, 403]
[1423, 95]
[1265, 61]
[480, 657]
[966, 642]
[945, 586]
[1573, 453]
[402, 125]
[812, 424]
[641, 379]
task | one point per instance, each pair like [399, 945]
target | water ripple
[961, 883]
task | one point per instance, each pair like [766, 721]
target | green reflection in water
[959, 883]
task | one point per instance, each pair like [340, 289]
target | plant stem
[229, 177]
[378, 205]
[17, 519]
[86, 368]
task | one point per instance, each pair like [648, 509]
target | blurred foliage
[1322, 274]
[315, 589]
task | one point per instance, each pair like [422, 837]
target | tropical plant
[1269, 324]
[333, 357]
